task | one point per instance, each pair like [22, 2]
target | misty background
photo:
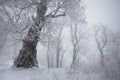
[81, 44]
[103, 11]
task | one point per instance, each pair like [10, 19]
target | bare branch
[101, 45]
[59, 15]
[53, 14]
[9, 17]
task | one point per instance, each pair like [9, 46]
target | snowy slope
[48, 74]
[42, 73]
[33, 74]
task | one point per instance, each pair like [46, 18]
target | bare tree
[56, 59]
[48, 48]
[27, 55]
[58, 49]
[101, 38]
[76, 36]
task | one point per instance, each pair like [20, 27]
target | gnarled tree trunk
[27, 55]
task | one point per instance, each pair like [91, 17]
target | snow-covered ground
[33, 74]
[42, 73]
[47, 74]
[7, 72]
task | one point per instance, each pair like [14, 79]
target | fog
[60, 40]
[103, 12]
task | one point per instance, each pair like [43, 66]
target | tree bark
[27, 55]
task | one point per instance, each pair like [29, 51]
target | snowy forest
[52, 40]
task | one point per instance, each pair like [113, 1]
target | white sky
[103, 11]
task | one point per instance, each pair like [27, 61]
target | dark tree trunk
[27, 55]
